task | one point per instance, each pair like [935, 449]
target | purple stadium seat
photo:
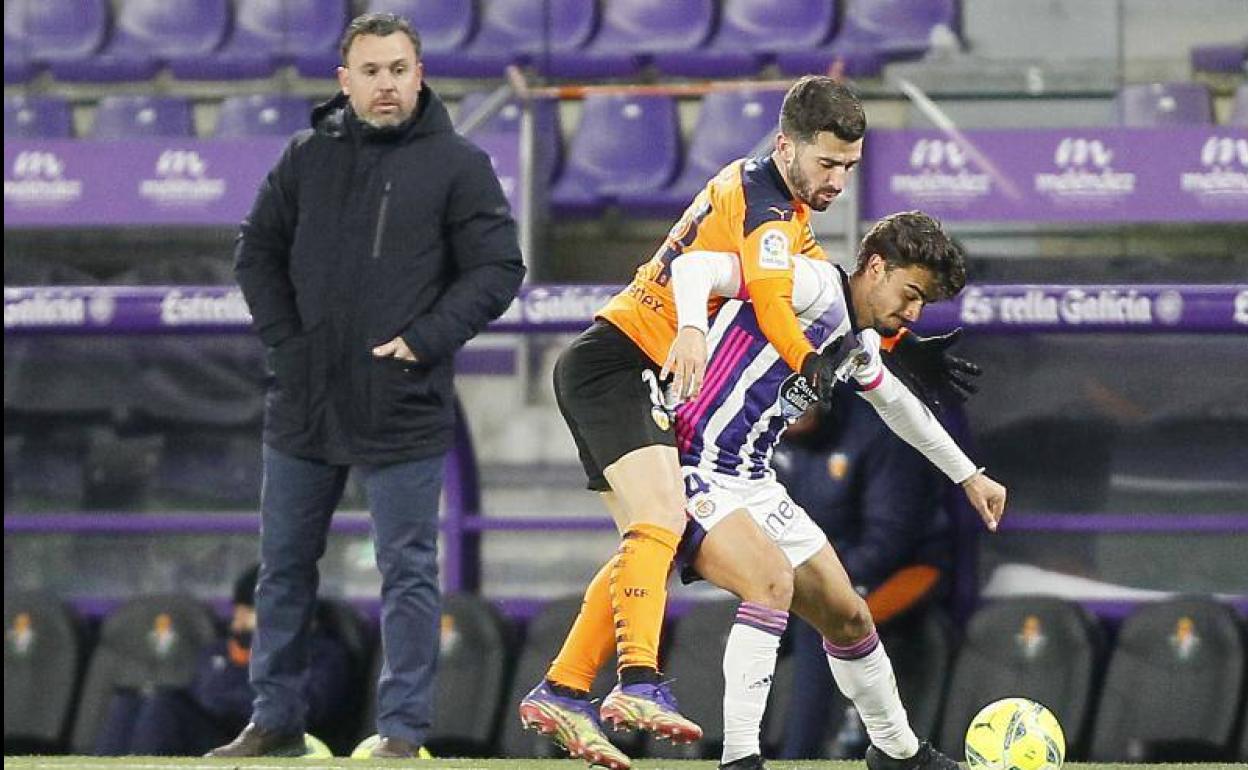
[444, 27]
[507, 121]
[1228, 57]
[1164, 104]
[55, 30]
[125, 117]
[514, 31]
[37, 117]
[148, 33]
[1239, 109]
[632, 32]
[730, 125]
[267, 34]
[623, 145]
[875, 32]
[750, 31]
[262, 115]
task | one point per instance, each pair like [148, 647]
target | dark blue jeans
[296, 502]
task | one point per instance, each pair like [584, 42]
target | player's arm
[767, 272]
[906, 416]
[696, 277]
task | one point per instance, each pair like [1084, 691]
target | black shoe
[926, 758]
[395, 748]
[255, 741]
[750, 762]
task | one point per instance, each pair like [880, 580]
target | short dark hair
[379, 24]
[914, 238]
[818, 103]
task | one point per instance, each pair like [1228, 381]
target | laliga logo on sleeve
[939, 172]
[1085, 174]
[181, 178]
[1223, 176]
[38, 179]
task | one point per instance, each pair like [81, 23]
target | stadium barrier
[981, 309]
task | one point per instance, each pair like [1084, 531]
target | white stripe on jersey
[818, 296]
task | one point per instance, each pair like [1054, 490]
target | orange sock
[639, 593]
[591, 640]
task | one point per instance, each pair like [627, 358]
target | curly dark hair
[379, 24]
[818, 103]
[914, 238]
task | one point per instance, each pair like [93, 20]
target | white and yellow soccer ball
[365, 749]
[1015, 734]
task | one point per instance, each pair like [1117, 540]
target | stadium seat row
[1168, 689]
[79, 41]
[626, 150]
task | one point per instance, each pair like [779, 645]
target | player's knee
[854, 624]
[774, 585]
[858, 624]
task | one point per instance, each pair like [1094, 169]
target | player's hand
[686, 363]
[395, 348]
[930, 370]
[987, 497]
[819, 368]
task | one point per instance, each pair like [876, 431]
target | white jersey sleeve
[913, 422]
[696, 277]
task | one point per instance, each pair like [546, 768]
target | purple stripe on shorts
[859, 649]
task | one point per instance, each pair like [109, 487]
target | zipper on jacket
[381, 221]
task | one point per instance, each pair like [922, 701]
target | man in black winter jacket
[377, 246]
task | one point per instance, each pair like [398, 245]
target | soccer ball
[1015, 734]
[365, 749]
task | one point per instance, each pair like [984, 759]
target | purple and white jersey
[749, 394]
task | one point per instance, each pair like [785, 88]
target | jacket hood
[336, 118]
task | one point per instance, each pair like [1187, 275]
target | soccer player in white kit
[745, 534]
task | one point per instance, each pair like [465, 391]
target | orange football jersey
[746, 209]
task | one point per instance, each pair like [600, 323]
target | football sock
[591, 639]
[639, 593]
[865, 675]
[749, 665]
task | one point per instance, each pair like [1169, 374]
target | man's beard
[388, 121]
[802, 188]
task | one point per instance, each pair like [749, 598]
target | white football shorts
[710, 497]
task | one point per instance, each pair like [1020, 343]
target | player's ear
[786, 148]
[342, 81]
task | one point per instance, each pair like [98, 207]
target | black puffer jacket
[358, 235]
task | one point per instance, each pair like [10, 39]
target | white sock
[865, 675]
[749, 665]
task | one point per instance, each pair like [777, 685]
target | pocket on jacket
[402, 398]
[290, 369]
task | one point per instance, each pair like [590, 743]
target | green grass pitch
[166, 763]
